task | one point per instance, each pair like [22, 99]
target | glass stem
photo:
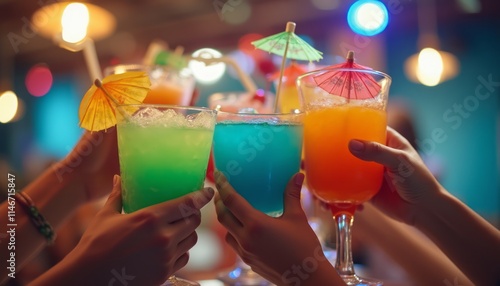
[344, 263]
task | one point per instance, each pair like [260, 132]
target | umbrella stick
[98, 83]
[290, 28]
[276, 100]
[350, 60]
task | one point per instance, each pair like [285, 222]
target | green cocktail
[163, 152]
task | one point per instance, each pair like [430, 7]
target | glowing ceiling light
[207, 73]
[75, 21]
[430, 67]
[8, 106]
[368, 17]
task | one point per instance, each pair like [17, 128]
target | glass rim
[326, 69]
[172, 106]
[137, 66]
[300, 112]
[142, 67]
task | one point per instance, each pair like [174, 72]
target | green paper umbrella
[290, 46]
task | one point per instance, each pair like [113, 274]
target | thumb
[292, 195]
[376, 152]
[114, 203]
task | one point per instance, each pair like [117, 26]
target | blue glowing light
[368, 17]
[56, 119]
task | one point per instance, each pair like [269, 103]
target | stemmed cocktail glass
[163, 152]
[258, 154]
[352, 107]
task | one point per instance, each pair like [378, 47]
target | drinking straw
[247, 82]
[88, 48]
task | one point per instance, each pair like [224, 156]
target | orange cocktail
[341, 104]
[167, 93]
[335, 175]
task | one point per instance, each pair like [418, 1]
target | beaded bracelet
[36, 217]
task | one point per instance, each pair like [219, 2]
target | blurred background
[445, 98]
[456, 121]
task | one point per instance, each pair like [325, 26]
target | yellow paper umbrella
[98, 107]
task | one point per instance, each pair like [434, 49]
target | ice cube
[203, 120]
[148, 112]
[171, 118]
[147, 116]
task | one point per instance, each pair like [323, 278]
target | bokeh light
[245, 43]
[8, 106]
[38, 80]
[235, 12]
[368, 17]
[55, 120]
[207, 73]
[75, 21]
[307, 39]
[430, 67]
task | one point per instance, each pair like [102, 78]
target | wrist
[434, 211]
[429, 205]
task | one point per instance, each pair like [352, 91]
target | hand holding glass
[163, 152]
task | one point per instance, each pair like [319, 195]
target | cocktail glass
[168, 85]
[261, 101]
[333, 174]
[258, 154]
[163, 152]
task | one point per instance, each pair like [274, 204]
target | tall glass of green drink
[163, 152]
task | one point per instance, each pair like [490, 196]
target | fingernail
[217, 176]
[210, 191]
[356, 146]
[299, 179]
[115, 180]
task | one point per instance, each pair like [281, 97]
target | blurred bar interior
[442, 55]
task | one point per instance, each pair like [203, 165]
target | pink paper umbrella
[350, 84]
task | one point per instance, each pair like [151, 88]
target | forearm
[423, 261]
[466, 238]
[69, 271]
[56, 195]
